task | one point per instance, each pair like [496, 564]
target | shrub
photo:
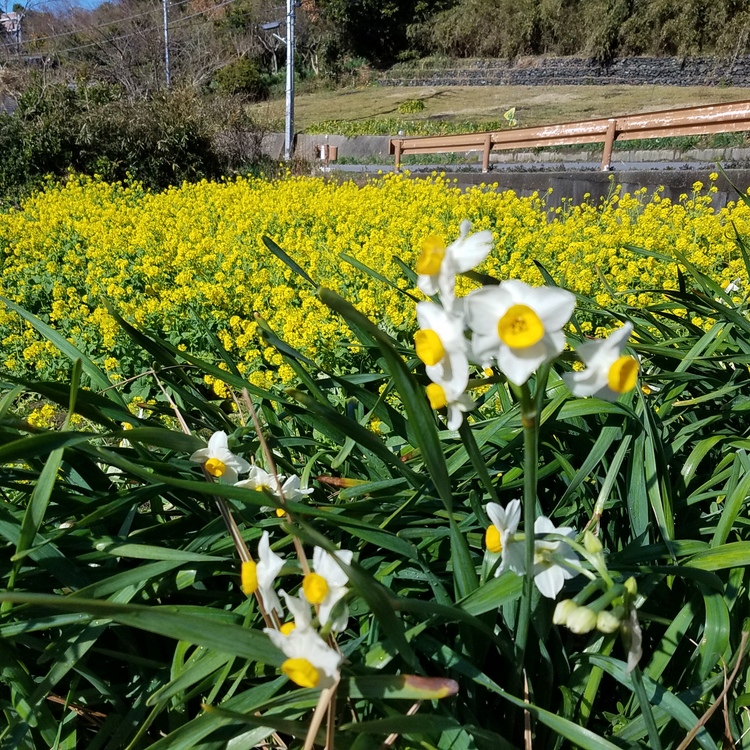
[242, 77]
[160, 141]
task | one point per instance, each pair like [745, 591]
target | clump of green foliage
[411, 106]
[243, 77]
[599, 29]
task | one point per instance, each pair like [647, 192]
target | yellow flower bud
[582, 620]
[607, 622]
[592, 543]
[563, 610]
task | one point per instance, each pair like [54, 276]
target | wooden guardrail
[713, 118]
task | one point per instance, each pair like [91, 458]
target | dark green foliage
[375, 29]
[601, 29]
[603, 20]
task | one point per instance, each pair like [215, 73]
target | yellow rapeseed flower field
[192, 258]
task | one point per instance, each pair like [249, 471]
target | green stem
[648, 716]
[587, 591]
[596, 561]
[480, 465]
[607, 598]
[530, 423]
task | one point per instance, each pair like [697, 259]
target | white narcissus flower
[300, 610]
[550, 557]
[517, 325]
[326, 586]
[438, 265]
[310, 662]
[269, 567]
[609, 373]
[259, 577]
[454, 399]
[219, 461]
[440, 343]
[733, 286]
[499, 536]
[261, 481]
[291, 489]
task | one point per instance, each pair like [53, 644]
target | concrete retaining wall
[594, 186]
[577, 187]
[306, 146]
[594, 155]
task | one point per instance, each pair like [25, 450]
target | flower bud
[582, 620]
[607, 622]
[592, 543]
[563, 610]
[631, 586]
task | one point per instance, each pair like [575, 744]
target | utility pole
[166, 44]
[289, 42]
[289, 123]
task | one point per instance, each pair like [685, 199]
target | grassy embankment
[374, 109]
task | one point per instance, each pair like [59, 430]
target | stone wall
[551, 71]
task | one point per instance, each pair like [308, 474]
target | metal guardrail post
[609, 141]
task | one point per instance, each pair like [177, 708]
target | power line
[37, 39]
[176, 25]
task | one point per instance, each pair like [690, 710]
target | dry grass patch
[535, 105]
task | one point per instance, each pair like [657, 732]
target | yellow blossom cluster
[192, 258]
[43, 416]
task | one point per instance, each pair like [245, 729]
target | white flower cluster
[225, 466]
[310, 661]
[516, 328]
[512, 325]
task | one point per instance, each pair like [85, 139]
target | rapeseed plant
[194, 252]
